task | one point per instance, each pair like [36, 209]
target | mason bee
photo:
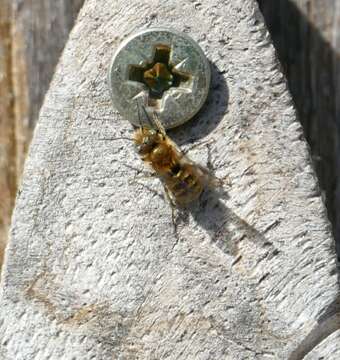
[184, 181]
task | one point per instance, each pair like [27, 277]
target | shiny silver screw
[162, 69]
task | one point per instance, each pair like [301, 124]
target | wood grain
[95, 268]
[8, 173]
[32, 36]
[306, 34]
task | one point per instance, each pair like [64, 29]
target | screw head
[162, 69]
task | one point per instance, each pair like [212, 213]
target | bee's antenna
[139, 115]
[117, 138]
[148, 117]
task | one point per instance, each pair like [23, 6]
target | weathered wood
[7, 128]
[328, 349]
[95, 268]
[32, 36]
[306, 34]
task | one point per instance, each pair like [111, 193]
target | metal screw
[164, 70]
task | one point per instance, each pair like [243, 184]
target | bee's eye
[141, 149]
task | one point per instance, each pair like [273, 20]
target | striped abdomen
[185, 182]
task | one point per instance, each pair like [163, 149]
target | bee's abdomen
[184, 183]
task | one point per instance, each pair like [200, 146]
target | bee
[184, 181]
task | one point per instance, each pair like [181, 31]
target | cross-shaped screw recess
[158, 75]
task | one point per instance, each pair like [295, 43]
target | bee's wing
[139, 106]
[139, 114]
[154, 122]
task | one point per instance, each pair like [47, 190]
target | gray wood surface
[32, 36]
[7, 139]
[94, 268]
[328, 349]
[306, 34]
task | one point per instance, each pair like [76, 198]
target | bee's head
[146, 140]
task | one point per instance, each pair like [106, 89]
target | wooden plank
[328, 349]
[95, 268]
[33, 34]
[306, 35]
[8, 172]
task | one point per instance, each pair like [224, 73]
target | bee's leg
[213, 183]
[142, 177]
[173, 213]
[172, 205]
[208, 142]
[146, 174]
[149, 188]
